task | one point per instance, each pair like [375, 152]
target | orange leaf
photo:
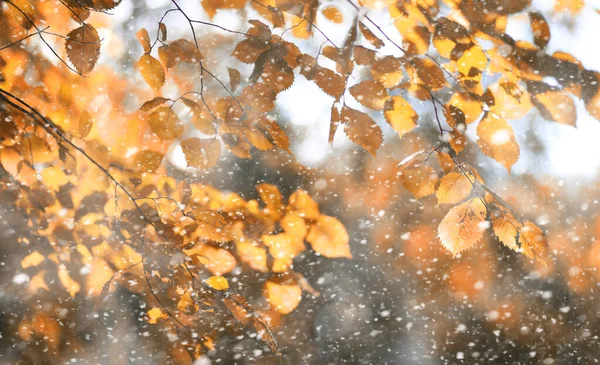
[419, 179]
[497, 140]
[217, 282]
[303, 205]
[284, 298]
[463, 226]
[370, 94]
[454, 187]
[505, 227]
[329, 237]
[152, 71]
[400, 115]
[201, 153]
[533, 242]
[540, 29]
[556, 106]
[144, 39]
[165, 123]
[332, 14]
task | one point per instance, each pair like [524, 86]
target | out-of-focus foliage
[89, 154]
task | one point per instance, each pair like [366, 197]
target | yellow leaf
[165, 123]
[71, 285]
[419, 179]
[533, 242]
[400, 115]
[462, 109]
[33, 259]
[430, 73]
[155, 314]
[253, 255]
[505, 227]
[303, 205]
[454, 187]
[152, 71]
[283, 247]
[329, 237]
[83, 48]
[217, 282]
[463, 226]
[497, 140]
[85, 124]
[201, 153]
[144, 39]
[556, 106]
[361, 129]
[147, 161]
[284, 298]
[370, 94]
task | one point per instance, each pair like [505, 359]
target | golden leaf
[387, 71]
[463, 226]
[271, 196]
[454, 187]
[445, 161]
[155, 314]
[457, 140]
[153, 103]
[332, 14]
[506, 227]
[71, 285]
[361, 129]
[329, 237]
[370, 94]
[147, 161]
[497, 140]
[556, 106]
[83, 48]
[33, 259]
[462, 109]
[234, 78]
[253, 255]
[533, 242]
[400, 115]
[217, 282]
[201, 153]
[177, 51]
[257, 139]
[294, 225]
[144, 39]
[85, 124]
[259, 96]
[303, 205]
[283, 247]
[152, 71]
[363, 56]
[165, 123]
[419, 179]
[284, 298]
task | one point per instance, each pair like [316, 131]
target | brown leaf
[163, 31]
[463, 226]
[370, 36]
[153, 103]
[234, 78]
[330, 82]
[83, 48]
[363, 56]
[506, 227]
[445, 161]
[257, 139]
[540, 29]
[259, 96]
[151, 71]
[144, 39]
[454, 187]
[201, 153]
[400, 115]
[533, 242]
[361, 129]
[329, 237]
[147, 161]
[497, 140]
[180, 50]
[462, 109]
[430, 73]
[387, 71]
[370, 94]
[165, 123]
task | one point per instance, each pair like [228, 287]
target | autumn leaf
[201, 153]
[144, 39]
[454, 187]
[430, 73]
[370, 36]
[329, 237]
[332, 14]
[330, 82]
[497, 140]
[400, 115]
[85, 124]
[283, 297]
[506, 227]
[540, 29]
[370, 94]
[165, 123]
[217, 282]
[463, 226]
[556, 106]
[152, 71]
[419, 179]
[533, 242]
[361, 129]
[301, 203]
[83, 48]
[156, 314]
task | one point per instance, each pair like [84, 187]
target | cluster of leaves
[103, 201]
